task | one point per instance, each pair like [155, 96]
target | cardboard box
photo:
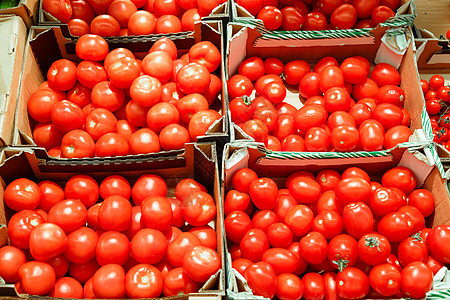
[237, 156]
[398, 50]
[405, 16]
[13, 34]
[433, 57]
[198, 162]
[221, 12]
[26, 9]
[47, 44]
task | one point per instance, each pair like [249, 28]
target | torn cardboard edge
[26, 9]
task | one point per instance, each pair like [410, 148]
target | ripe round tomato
[143, 281]
[106, 95]
[400, 177]
[328, 223]
[344, 17]
[67, 116]
[148, 185]
[342, 251]
[235, 201]
[352, 283]
[336, 99]
[416, 216]
[436, 241]
[109, 282]
[263, 219]
[81, 245]
[396, 226]
[115, 213]
[179, 246]
[22, 194]
[11, 259]
[253, 244]
[193, 78]
[279, 235]
[344, 138]
[69, 214]
[281, 260]
[423, 200]
[358, 219]
[385, 279]
[201, 121]
[198, 209]
[36, 278]
[61, 76]
[304, 189]
[314, 286]
[21, 225]
[396, 135]
[373, 249]
[417, 279]
[384, 74]
[299, 219]
[289, 286]
[413, 248]
[261, 279]
[47, 241]
[354, 70]
[313, 247]
[112, 248]
[315, 20]
[436, 82]
[310, 116]
[141, 22]
[144, 141]
[157, 212]
[92, 47]
[201, 262]
[178, 281]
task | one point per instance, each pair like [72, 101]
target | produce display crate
[405, 16]
[397, 50]
[47, 44]
[26, 9]
[221, 12]
[198, 162]
[433, 57]
[13, 33]
[238, 156]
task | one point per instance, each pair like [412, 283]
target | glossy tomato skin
[115, 213]
[396, 226]
[261, 279]
[373, 249]
[314, 286]
[11, 259]
[36, 278]
[22, 194]
[436, 240]
[342, 248]
[417, 279]
[352, 283]
[385, 279]
[92, 47]
[412, 249]
[69, 214]
[77, 144]
[81, 244]
[143, 281]
[400, 177]
[299, 219]
[112, 248]
[109, 282]
[21, 225]
[152, 239]
[67, 287]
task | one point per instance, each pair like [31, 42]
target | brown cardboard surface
[238, 156]
[200, 164]
[13, 34]
[27, 10]
[47, 44]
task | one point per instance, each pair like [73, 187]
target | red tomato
[201, 121]
[200, 263]
[314, 286]
[383, 201]
[385, 279]
[193, 78]
[112, 248]
[261, 279]
[263, 192]
[146, 186]
[144, 141]
[207, 235]
[242, 179]
[289, 286]
[67, 116]
[416, 217]
[109, 282]
[198, 208]
[352, 283]
[143, 281]
[413, 248]
[313, 247]
[342, 251]
[21, 225]
[61, 10]
[400, 177]
[423, 200]
[310, 116]
[396, 135]
[373, 249]
[115, 185]
[344, 17]
[36, 278]
[253, 244]
[331, 76]
[235, 200]
[141, 22]
[436, 82]
[396, 226]
[328, 223]
[60, 264]
[281, 260]
[92, 47]
[69, 214]
[358, 219]
[11, 259]
[47, 241]
[291, 19]
[417, 280]
[436, 241]
[336, 99]
[179, 246]
[299, 219]
[22, 194]
[385, 74]
[381, 14]
[354, 70]
[105, 25]
[66, 287]
[157, 212]
[115, 213]
[279, 235]
[178, 281]
[305, 190]
[315, 21]
[81, 245]
[82, 187]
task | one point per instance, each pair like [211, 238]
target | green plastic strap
[444, 294]
[426, 127]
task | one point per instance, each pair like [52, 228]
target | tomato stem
[340, 262]
[417, 236]
[373, 241]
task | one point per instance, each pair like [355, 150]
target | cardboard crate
[405, 16]
[47, 44]
[13, 34]
[26, 9]
[397, 50]
[198, 162]
[221, 12]
[237, 156]
[433, 57]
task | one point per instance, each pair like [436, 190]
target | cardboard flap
[9, 36]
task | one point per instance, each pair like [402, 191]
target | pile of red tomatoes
[334, 236]
[437, 97]
[294, 15]
[113, 104]
[343, 107]
[65, 243]
[129, 17]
